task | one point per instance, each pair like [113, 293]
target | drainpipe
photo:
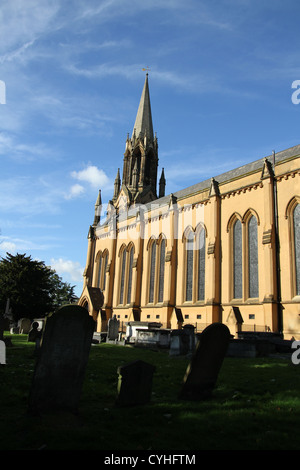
[277, 248]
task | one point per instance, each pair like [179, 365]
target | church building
[226, 249]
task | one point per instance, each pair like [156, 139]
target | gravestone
[2, 353]
[202, 372]
[24, 325]
[135, 383]
[60, 368]
[182, 341]
[113, 329]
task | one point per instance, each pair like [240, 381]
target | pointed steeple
[143, 122]
[141, 155]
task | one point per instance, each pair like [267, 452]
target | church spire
[143, 122]
[141, 155]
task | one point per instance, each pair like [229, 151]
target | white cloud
[75, 191]
[72, 268]
[92, 175]
[8, 247]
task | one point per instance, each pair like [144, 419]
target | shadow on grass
[255, 405]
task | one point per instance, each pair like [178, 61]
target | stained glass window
[104, 271]
[189, 266]
[122, 276]
[297, 246]
[99, 270]
[237, 261]
[253, 257]
[201, 265]
[161, 270]
[130, 276]
[152, 272]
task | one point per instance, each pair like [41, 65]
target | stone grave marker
[135, 383]
[182, 341]
[113, 329]
[24, 325]
[202, 372]
[60, 367]
[2, 353]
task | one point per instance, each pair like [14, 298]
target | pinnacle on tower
[162, 184]
[117, 185]
[98, 207]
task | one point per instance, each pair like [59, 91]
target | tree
[34, 289]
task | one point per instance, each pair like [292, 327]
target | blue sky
[221, 74]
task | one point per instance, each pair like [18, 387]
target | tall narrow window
[252, 257]
[104, 271]
[296, 223]
[237, 261]
[152, 272]
[201, 265]
[99, 270]
[189, 266]
[130, 275]
[161, 271]
[122, 276]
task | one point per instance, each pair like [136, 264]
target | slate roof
[230, 175]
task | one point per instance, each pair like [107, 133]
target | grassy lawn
[255, 406]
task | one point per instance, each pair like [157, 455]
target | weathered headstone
[182, 341]
[60, 368]
[135, 383]
[2, 353]
[113, 329]
[203, 370]
[24, 325]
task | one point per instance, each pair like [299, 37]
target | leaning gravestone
[203, 370]
[135, 383]
[60, 368]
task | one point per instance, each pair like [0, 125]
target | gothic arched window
[152, 271]
[99, 267]
[237, 260]
[130, 275]
[195, 265]
[296, 227]
[201, 264]
[157, 270]
[252, 257]
[161, 270]
[102, 259]
[122, 281]
[189, 246]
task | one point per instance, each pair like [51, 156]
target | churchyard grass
[255, 406]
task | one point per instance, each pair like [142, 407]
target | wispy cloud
[11, 146]
[30, 195]
[72, 268]
[21, 23]
[14, 245]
